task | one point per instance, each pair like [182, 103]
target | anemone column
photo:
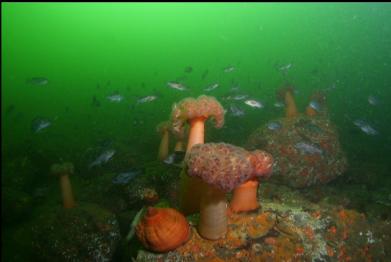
[222, 167]
[63, 171]
[164, 129]
[245, 195]
[286, 93]
[195, 112]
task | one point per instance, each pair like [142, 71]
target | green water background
[138, 47]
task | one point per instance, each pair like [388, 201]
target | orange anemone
[164, 129]
[222, 167]
[286, 94]
[163, 229]
[245, 195]
[195, 112]
[63, 171]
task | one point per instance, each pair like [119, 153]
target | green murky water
[61, 63]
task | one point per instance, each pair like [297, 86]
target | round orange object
[163, 229]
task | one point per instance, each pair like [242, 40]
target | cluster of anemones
[224, 167]
[212, 169]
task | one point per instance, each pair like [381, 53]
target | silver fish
[359, 122]
[176, 85]
[315, 105]
[170, 159]
[274, 125]
[229, 69]
[175, 158]
[236, 97]
[279, 104]
[235, 88]
[365, 127]
[373, 100]
[254, 103]
[308, 148]
[103, 158]
[236, 111]
[37, 81]
[211, 87]
[369, 130]
[116, 98]
[239, 97]
[285, 67]
[38, 124]
[124, 178]
[146, 99]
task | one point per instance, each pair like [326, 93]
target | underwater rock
[15, 205]
[86, 232]
[306, 150]
[120, 197]
[162, 179]
[292, 230]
